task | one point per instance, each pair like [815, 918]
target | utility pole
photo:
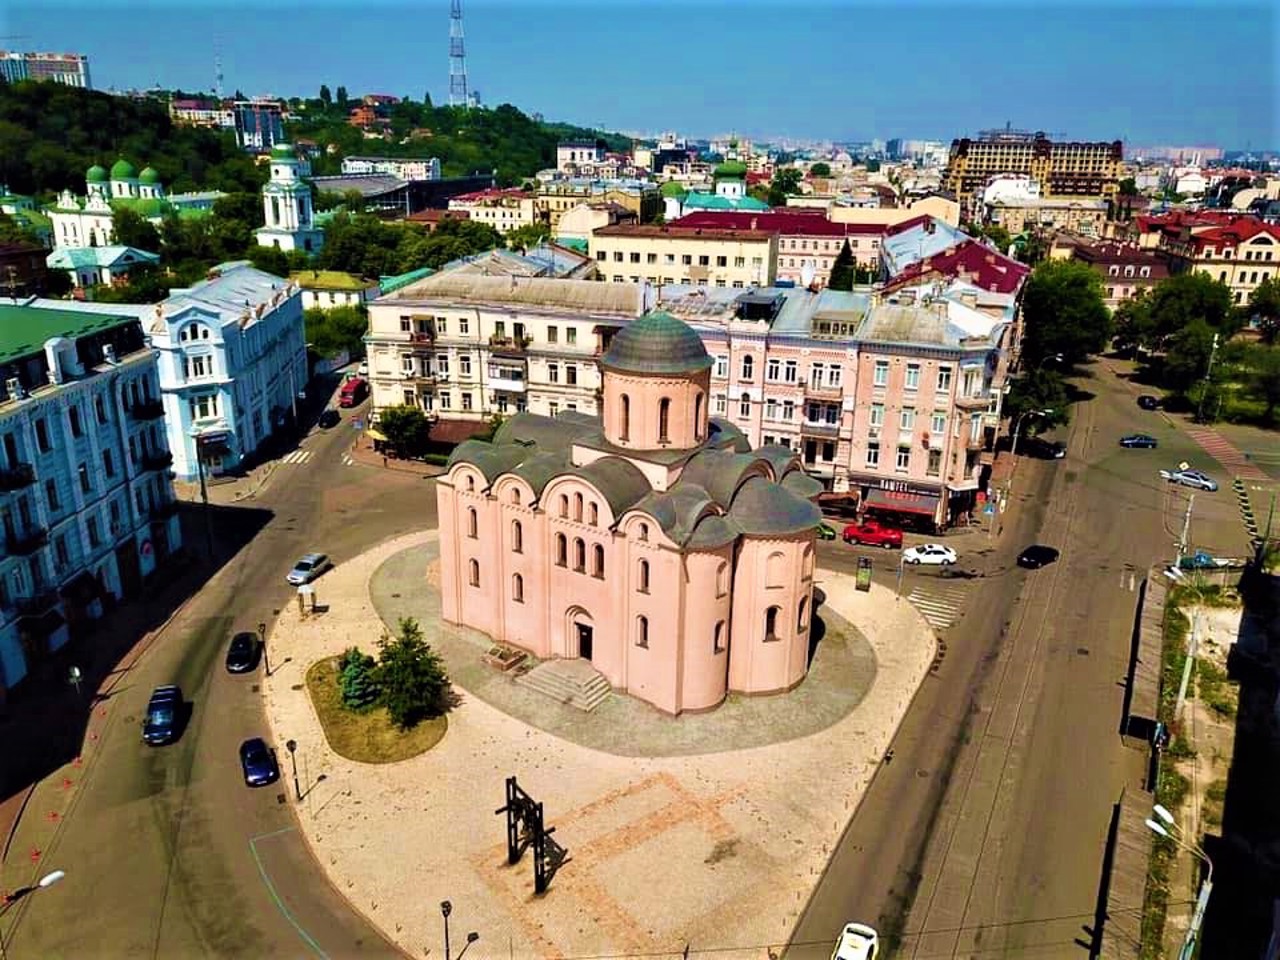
[1266, 537]
[1184, 537]
[1208, 375]
[1187, 665]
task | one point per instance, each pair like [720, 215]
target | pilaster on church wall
[446, 509]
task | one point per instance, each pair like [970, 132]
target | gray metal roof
[802, 485]
[763, 508]
[720, 473]
[713, 531]
[782, 460]
[538, 469]
[723, 434]
[657, 343]
[549, 433]
[619, 481]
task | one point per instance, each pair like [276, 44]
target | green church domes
[657, 343]
[149, 176]
[282, 151]
[730, 170]
[122, 169]
[96, 174]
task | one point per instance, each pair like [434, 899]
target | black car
[242, 655]
[1043, 449]
[1139, 440]
[163, 718]
[330, 418]
[258, 761]
[1148, 402]
[1036, 556]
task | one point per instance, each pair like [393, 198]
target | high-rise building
[1063, 169]
[71, 69]
[259, 123]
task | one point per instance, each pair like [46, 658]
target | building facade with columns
[650, 542]
[286, 205]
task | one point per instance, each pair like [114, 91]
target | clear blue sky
[1149, 73]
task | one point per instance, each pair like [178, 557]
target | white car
[1190, 478]
[857, 942]
[363, 369]
[934, 553]
[308, 568]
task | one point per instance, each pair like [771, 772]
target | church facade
[650, 541]
[286, 205]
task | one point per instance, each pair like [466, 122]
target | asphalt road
[167, 853]
[984, 835]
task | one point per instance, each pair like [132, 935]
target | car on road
[258, 761]
[931, 553]
[1036, 556]
[1046, 449]
[1148, 402]
[308, 568]
[857, 942]
[1202, 561]
[243, 653]
[825, 531]
[872, 534]
[1190, 478]
[1139, 441]
[163, 718]
[353, 392]
[330, 418]
[363, 369]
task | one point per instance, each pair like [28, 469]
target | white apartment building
[464, 346]
[403, 168]
[701, 256]
[86, 502]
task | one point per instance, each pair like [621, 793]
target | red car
[872, 534]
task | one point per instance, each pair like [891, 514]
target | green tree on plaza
[1186, 357]
[1064, 313]
[1040, 389]
[131, 230]
[356, 679]
[1179, 300]
[1264, 308]
[528, 236]
[330, 332]
[1261, 364]
[1134, 326]
[844, 270]
[406, 428]
[412, 678]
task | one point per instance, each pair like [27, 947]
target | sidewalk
[742, 834]
[362, 452]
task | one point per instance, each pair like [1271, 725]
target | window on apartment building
[877, 415]
[86, 484]
[602, 256]
[464, 326]
[748, 367]
[51, 494]
[503, 403]
[907, 419]
[788, 410]
[61, 555]
[100, 409]
[410, 398]
[650, 258]
[815, 374]
[912, 381]
[722, 261]
[720, 404]
[73, 414]
[95, 536]
[571, 335]
[744, 406]
[944, 380]
[720, 282]
[553, 373]
[108, 464]
[442, 325]
[739, 261]
[553, 408]
[790, 371]
[828, 451]
[553, 334]
[669, 259]
[938, 423]
[834, 375]
[704, 260]
[466, 400]
[771, 409]
[934, 466]
[772, 369]
[446, 400]
[571, 374]
[617, 256]
[500, 329]
[406, 363]
[635, 256]
[406, 325]
[464, 365]
[686, 259]
[880, 376]
[617, 278]
[904, 458]
[42, 435]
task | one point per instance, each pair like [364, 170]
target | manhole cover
[296, 686]
[255, 688]
[922, 773]
[1083, 651]
[280, 798]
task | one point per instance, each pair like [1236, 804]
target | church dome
[122, 170]
[149, 176]
[657, 343]
[730, 170]
[672, 188]
[96, 174]
[282, 151]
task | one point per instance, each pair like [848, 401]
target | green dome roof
[122, 170]
[657, 343]
[96, 174]
[730, 170]
[149, 175]
[282, 151]
[672, 188]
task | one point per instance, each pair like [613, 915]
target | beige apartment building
[555, 199]
[504, 210]
[1080, 215]
[463, 346]
[702, 257]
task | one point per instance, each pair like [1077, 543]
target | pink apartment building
[651, 541]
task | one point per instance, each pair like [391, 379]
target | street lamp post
[446, 908]
[1017, 424]
[472, 937]
[1169, 829]
[262, 641]
[44, 883]
[292, 747]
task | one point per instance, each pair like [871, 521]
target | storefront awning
[902, 502]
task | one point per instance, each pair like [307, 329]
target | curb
[267, 472]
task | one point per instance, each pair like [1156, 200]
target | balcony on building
[507, 377]
[515, 346]
[26, 542]
[147, 410]
[423, 329]
[157, 460]
[421, 375]
[976, 401]
[16, 477]
[819, 390]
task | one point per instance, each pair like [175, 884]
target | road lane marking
[297, 457]
[271, 888]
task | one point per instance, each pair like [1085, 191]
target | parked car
[1148, 402]
[363, 369]
[826, 531]
[1046, 449]
[308, 568]
[1190, 478]
[163, 718]
[931, 553]
[329, 418]
[1136, 440]
[243, 653]
[353, 392]
[1036, 556]
[872, 534]
[857, 942]
[1202, 561]
[258, 761]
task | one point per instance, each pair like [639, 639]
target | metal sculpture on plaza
[525, 828]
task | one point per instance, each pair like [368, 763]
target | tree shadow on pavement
[44, 719]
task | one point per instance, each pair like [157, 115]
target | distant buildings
[730, 194]
[70, 69]
[327, 289]
[287, 208]
[202, 113]
[572, 155]
[552, 200]
[232, 361]
[503, 209]
[86, 502]
[23, 271]
[1125, 269]
[403, 168]
[1074, 169]
[88, 266]
[259, 123]
[667, 254]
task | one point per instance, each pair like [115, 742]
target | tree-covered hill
[50, 134]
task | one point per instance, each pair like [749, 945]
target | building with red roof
[1242, 254]
[1125, 269]
[971, 261]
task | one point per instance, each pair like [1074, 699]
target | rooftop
[71, 258]
[231, 291]
[670, 231]
[786, 223]
[330, 280]
[970, 260]
[402, 280]
[584, 296]
[25, 329]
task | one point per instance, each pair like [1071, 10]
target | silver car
[308, 568]
[1190, 478]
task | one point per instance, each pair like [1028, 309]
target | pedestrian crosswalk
[941, 603]
[1227, 454]
[347, 460]
[296, 457]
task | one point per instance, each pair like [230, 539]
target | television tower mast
[457, 57]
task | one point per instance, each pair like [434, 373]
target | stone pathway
[718, 850]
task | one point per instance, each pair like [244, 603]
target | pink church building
[650, 541]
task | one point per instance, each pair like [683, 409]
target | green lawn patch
[366, 736]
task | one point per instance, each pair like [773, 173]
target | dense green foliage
[362, 244]
[356, 672]
[406, 428]
[1264, 306]
[412, 677]
[820, 169]
[500, 139]
[785, 182]
[528, 236]
[843, 270]
[51, 134]
[330, 332]
[1064, 313]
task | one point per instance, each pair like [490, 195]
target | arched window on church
[474, 567]
[625, 427]
[517, 588]
[579, 555]
[802, 616]
[697, 417]
[771, 623]
[473, 523]
[642, 632]
[577, 507]
[718, 640]
[517, 537]
[562, 550]
[664, 420]
[643, 577]
[597, 561]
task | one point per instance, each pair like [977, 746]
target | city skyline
[735, 82]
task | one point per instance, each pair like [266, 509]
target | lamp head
[291, 745]
[1162, 813]
[446, 908]
[1156, 828]
[472, 937]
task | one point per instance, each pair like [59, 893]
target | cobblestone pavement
[713, 839]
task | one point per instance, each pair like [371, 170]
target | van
[353, 392]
